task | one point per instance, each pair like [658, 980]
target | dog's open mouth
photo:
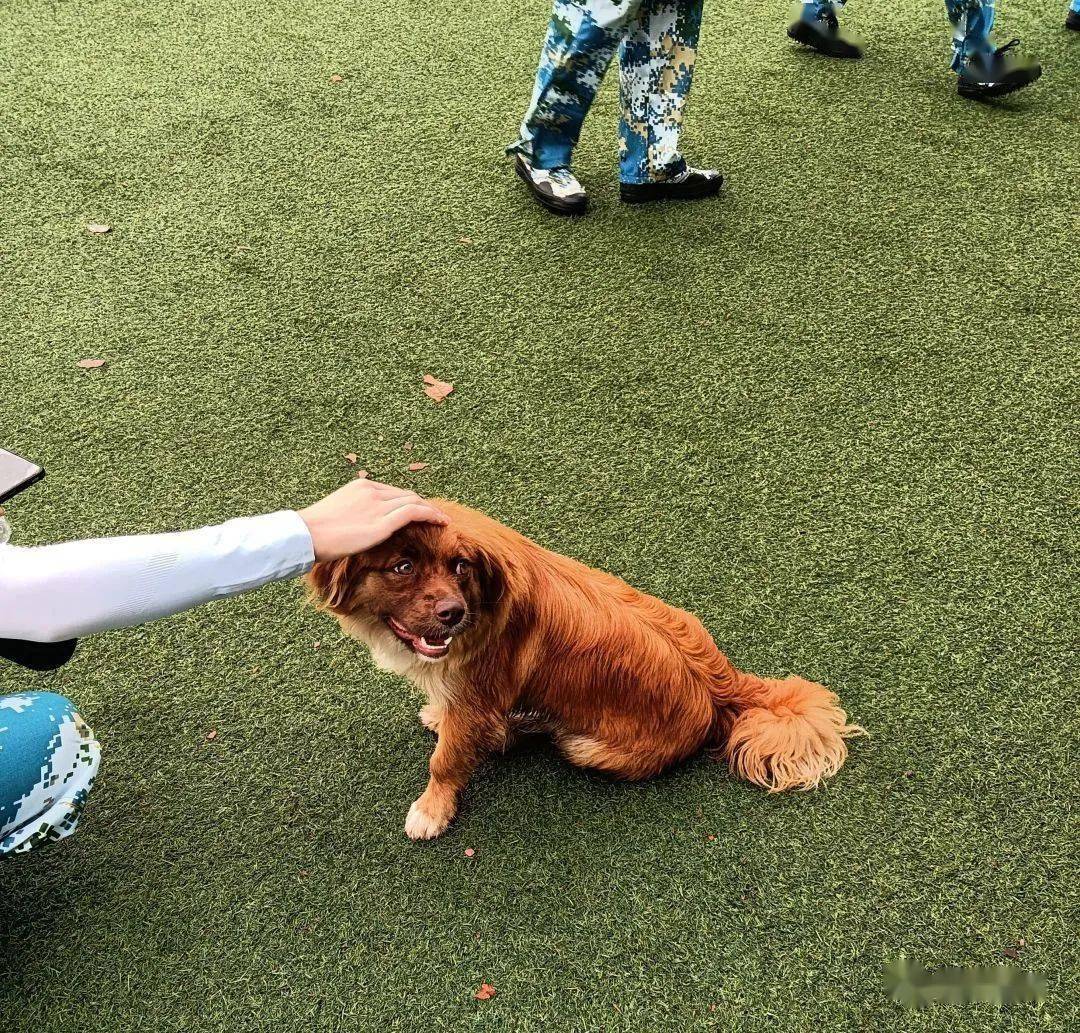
[433, 647]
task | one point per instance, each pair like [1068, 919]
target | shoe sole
[647, 193]
[1001, 89]
[803, 35]
[552, 204]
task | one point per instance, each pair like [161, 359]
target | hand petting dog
[361, 515]
[505, 637]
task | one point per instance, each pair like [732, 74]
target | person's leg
[983, 70]
[1072, 19]
[817, 25]
[971, 21]
[582, 38]
[48, 761]
[656, 66]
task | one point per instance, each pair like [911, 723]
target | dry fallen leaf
[464, 240]
[362, 474]
[90, 363]
[1011, 952]
[485, 993]
[337, 78]
[417, 467]
[469, 852]
[435, 389]
[211, 735]
[98, 227]
[351, 457]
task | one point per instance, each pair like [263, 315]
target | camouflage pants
[48, 760]
[971, 20]
[657, 43]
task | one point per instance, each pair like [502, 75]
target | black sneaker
[994, 75]
[824, 35]
[1072, 21]
[556, 189]
[688, 185]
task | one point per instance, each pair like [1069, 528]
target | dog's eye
[462, 567]
[404, 567]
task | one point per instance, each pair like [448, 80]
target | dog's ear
[492, 577]
[333, 583]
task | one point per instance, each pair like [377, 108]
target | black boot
[994, 75]
[824, 35]
[1072, 21]
[688, 185]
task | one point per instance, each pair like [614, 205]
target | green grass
[832, 413]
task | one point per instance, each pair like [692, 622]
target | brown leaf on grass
[417, 467]
[485, 993]
[362, 474]
[465, 240]
[351, 457]
[90, 363]
[1011, 952]
[98, 227]
[436, 389]
[211, 735]
[337, 78]
[469, 852]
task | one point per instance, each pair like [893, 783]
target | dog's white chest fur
[391, 656]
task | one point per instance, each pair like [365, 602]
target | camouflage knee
[48, 761]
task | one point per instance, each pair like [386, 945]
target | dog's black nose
[449, 612]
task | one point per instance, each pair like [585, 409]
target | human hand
[361, 515]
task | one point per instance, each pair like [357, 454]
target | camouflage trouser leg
[582, 38]
[48, 760]
[658, 39]
[656, 68]
[972, 21]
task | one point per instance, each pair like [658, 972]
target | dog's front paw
[421, 824]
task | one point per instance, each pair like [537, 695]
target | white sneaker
[556, 189]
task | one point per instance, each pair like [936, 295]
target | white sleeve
[56, 592]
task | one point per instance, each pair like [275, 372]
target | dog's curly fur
[622, 682]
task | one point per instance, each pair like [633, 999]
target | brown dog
[503, 636]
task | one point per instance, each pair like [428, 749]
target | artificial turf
[831, 412]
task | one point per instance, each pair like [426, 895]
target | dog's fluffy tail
[780, 733]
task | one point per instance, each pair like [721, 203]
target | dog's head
[429, 587]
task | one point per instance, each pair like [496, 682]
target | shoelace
[1008, 46]
[563, 176]
[828, 16]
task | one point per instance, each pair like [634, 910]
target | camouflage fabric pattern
[657, 45]
[971, 20]
[48, 761]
